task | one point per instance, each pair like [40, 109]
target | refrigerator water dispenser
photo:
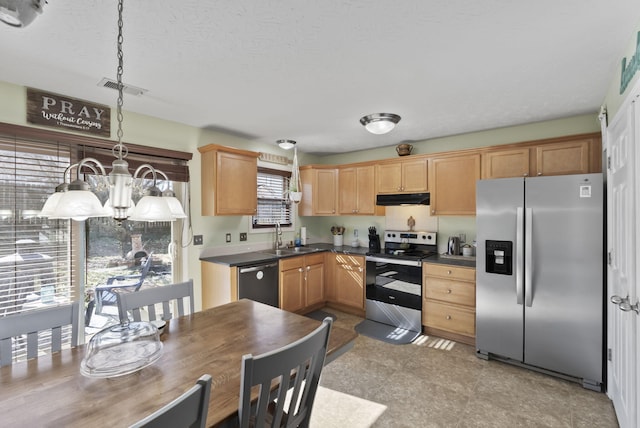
[499, 257]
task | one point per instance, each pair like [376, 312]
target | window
[42, 261]
[273, 203]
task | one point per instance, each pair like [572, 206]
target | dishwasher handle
[257, 268]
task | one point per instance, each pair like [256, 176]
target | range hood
[403, 199]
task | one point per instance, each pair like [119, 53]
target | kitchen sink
[290, 251]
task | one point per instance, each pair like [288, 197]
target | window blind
[36, 254]
[273, 204]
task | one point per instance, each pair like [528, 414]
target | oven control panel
[410, 237]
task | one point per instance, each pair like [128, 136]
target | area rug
[320, 315]
[337, 409]
[386, 333]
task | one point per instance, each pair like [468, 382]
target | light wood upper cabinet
[579, 154]
[563, 158]
[229, 181]
[453, 184]
[406, 176]
[505, 163]
[319, 191]
[356, 190]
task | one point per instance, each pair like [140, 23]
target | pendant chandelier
[75, 200]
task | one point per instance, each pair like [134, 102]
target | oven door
[394, 281]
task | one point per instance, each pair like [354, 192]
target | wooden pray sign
[58, 111]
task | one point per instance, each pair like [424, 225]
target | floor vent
[127, 89]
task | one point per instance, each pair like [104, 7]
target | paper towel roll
[303, 235]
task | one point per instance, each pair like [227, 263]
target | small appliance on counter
[453, 246]
[374, 240]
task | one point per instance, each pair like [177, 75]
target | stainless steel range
[394, 279]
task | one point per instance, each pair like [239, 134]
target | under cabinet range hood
[403, 199]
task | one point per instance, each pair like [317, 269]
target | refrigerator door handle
[528, 258]
[519, 254]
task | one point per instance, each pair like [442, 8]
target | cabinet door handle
[449, 291]
[539, 173]
[300, 270]
[448, 272]
[308, 268]
[448, 317]
[359, 269]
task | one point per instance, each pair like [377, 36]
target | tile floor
[438, 383]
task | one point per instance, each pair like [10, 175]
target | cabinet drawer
[291, 263]
[449, 318]
[448, 271]
[460, 292]
[314, 259]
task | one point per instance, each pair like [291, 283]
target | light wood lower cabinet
[302, 283]
[218, 284]
[345, 285]
[449, 302]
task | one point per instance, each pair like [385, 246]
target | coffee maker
[374, 240]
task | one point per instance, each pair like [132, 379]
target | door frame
[634, 289]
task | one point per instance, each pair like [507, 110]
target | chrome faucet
[278, 241]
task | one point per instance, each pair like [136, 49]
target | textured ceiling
[308, 70]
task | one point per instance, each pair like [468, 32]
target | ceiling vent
[127, 89]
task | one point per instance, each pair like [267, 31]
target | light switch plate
[197, 239]
[243, 236]
[228, 237]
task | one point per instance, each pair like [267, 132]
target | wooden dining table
[50, 391]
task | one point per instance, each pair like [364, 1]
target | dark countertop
[458, 261]
[255, 257]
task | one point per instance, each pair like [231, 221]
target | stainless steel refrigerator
[539, 270]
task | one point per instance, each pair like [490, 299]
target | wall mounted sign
[58, 111]
[629, 70]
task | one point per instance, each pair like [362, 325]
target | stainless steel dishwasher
[259, 283]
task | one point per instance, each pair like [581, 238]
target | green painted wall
[614, 98]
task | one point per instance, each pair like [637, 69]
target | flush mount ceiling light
[20, 13]
[286, 144]
[380, 123]
[76, 200]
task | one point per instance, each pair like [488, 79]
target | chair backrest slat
[297, 368]
[189, 410]
[149, 297]
[37, 322]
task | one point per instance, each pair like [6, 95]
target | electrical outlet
[243, 236]
[228, 237]
[197, 239]
[463, 237]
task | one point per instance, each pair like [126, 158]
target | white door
[621, 140]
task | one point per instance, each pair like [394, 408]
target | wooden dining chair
[296, 367]
[187, 411]
[38, 323]
[149, 297]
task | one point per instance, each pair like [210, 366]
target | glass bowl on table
[121, 349]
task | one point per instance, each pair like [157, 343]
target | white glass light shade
[50, 205]
[175, 207]
[152, 208]
[380, 127]
[286, 144]
[20, 13]
[78, 205]
[380, 123]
